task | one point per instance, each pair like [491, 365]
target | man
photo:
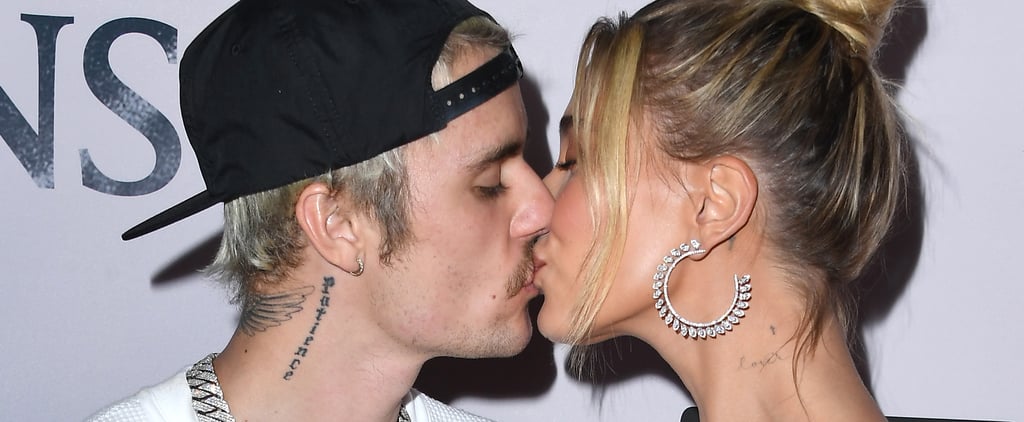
[411, 239]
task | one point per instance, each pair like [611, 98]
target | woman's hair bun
[862, 22]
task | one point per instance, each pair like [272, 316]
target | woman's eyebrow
[565, 125]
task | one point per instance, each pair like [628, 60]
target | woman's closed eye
[567, 165]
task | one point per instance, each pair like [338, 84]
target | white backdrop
[88, 319]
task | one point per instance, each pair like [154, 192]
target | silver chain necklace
[208, 398]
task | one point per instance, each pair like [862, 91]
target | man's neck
[326, 360]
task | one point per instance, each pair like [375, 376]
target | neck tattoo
[270, 310]
[303, 349]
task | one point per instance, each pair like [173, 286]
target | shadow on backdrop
[536, 152]
[886, 278]
[188, 264]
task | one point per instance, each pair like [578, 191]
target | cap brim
[185, 209]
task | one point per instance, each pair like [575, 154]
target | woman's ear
[331, 226]
[728, 190]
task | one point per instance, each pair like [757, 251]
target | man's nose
[534, 214]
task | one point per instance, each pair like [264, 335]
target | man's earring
[687, 328]
[358, 272]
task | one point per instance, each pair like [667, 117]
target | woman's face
[560, 254]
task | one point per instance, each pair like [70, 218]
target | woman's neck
[748, 373]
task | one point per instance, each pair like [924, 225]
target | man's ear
[331, 226]
[729, 192]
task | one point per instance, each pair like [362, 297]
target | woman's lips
[537, 265]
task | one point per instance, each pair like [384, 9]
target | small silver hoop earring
[687, 328]
[358, 272]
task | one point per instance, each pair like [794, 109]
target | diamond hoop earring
[687, 328]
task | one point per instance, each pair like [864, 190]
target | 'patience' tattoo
[266, 311]
[300, 352]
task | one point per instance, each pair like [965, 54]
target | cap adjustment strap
[480, 85]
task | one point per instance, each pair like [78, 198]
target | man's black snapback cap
[277, 91]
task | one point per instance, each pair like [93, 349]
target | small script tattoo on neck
[270, 310]
[300, 352]
[760, 364]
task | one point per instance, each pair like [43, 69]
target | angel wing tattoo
[271, 310]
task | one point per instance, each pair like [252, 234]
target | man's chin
[503, 350]
[523, 337]
[508, 341]
[518, 338]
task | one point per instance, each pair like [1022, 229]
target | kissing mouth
[537, 265]
[523, 276]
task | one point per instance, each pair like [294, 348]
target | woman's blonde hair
[262, 241]
[788, 85]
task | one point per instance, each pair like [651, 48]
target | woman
[728, 167]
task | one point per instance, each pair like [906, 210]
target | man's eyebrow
[565, 125]
[498, 154]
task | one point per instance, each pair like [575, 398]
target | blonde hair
[788, 85]
[601, 165]
[262, 241]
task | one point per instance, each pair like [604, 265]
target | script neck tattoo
[270, 310]
[300, 352]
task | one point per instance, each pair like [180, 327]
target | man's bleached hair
[262, 241]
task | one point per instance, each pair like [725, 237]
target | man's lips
[528, 287]
[528, 281]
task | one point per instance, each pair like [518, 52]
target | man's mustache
[523, 271]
